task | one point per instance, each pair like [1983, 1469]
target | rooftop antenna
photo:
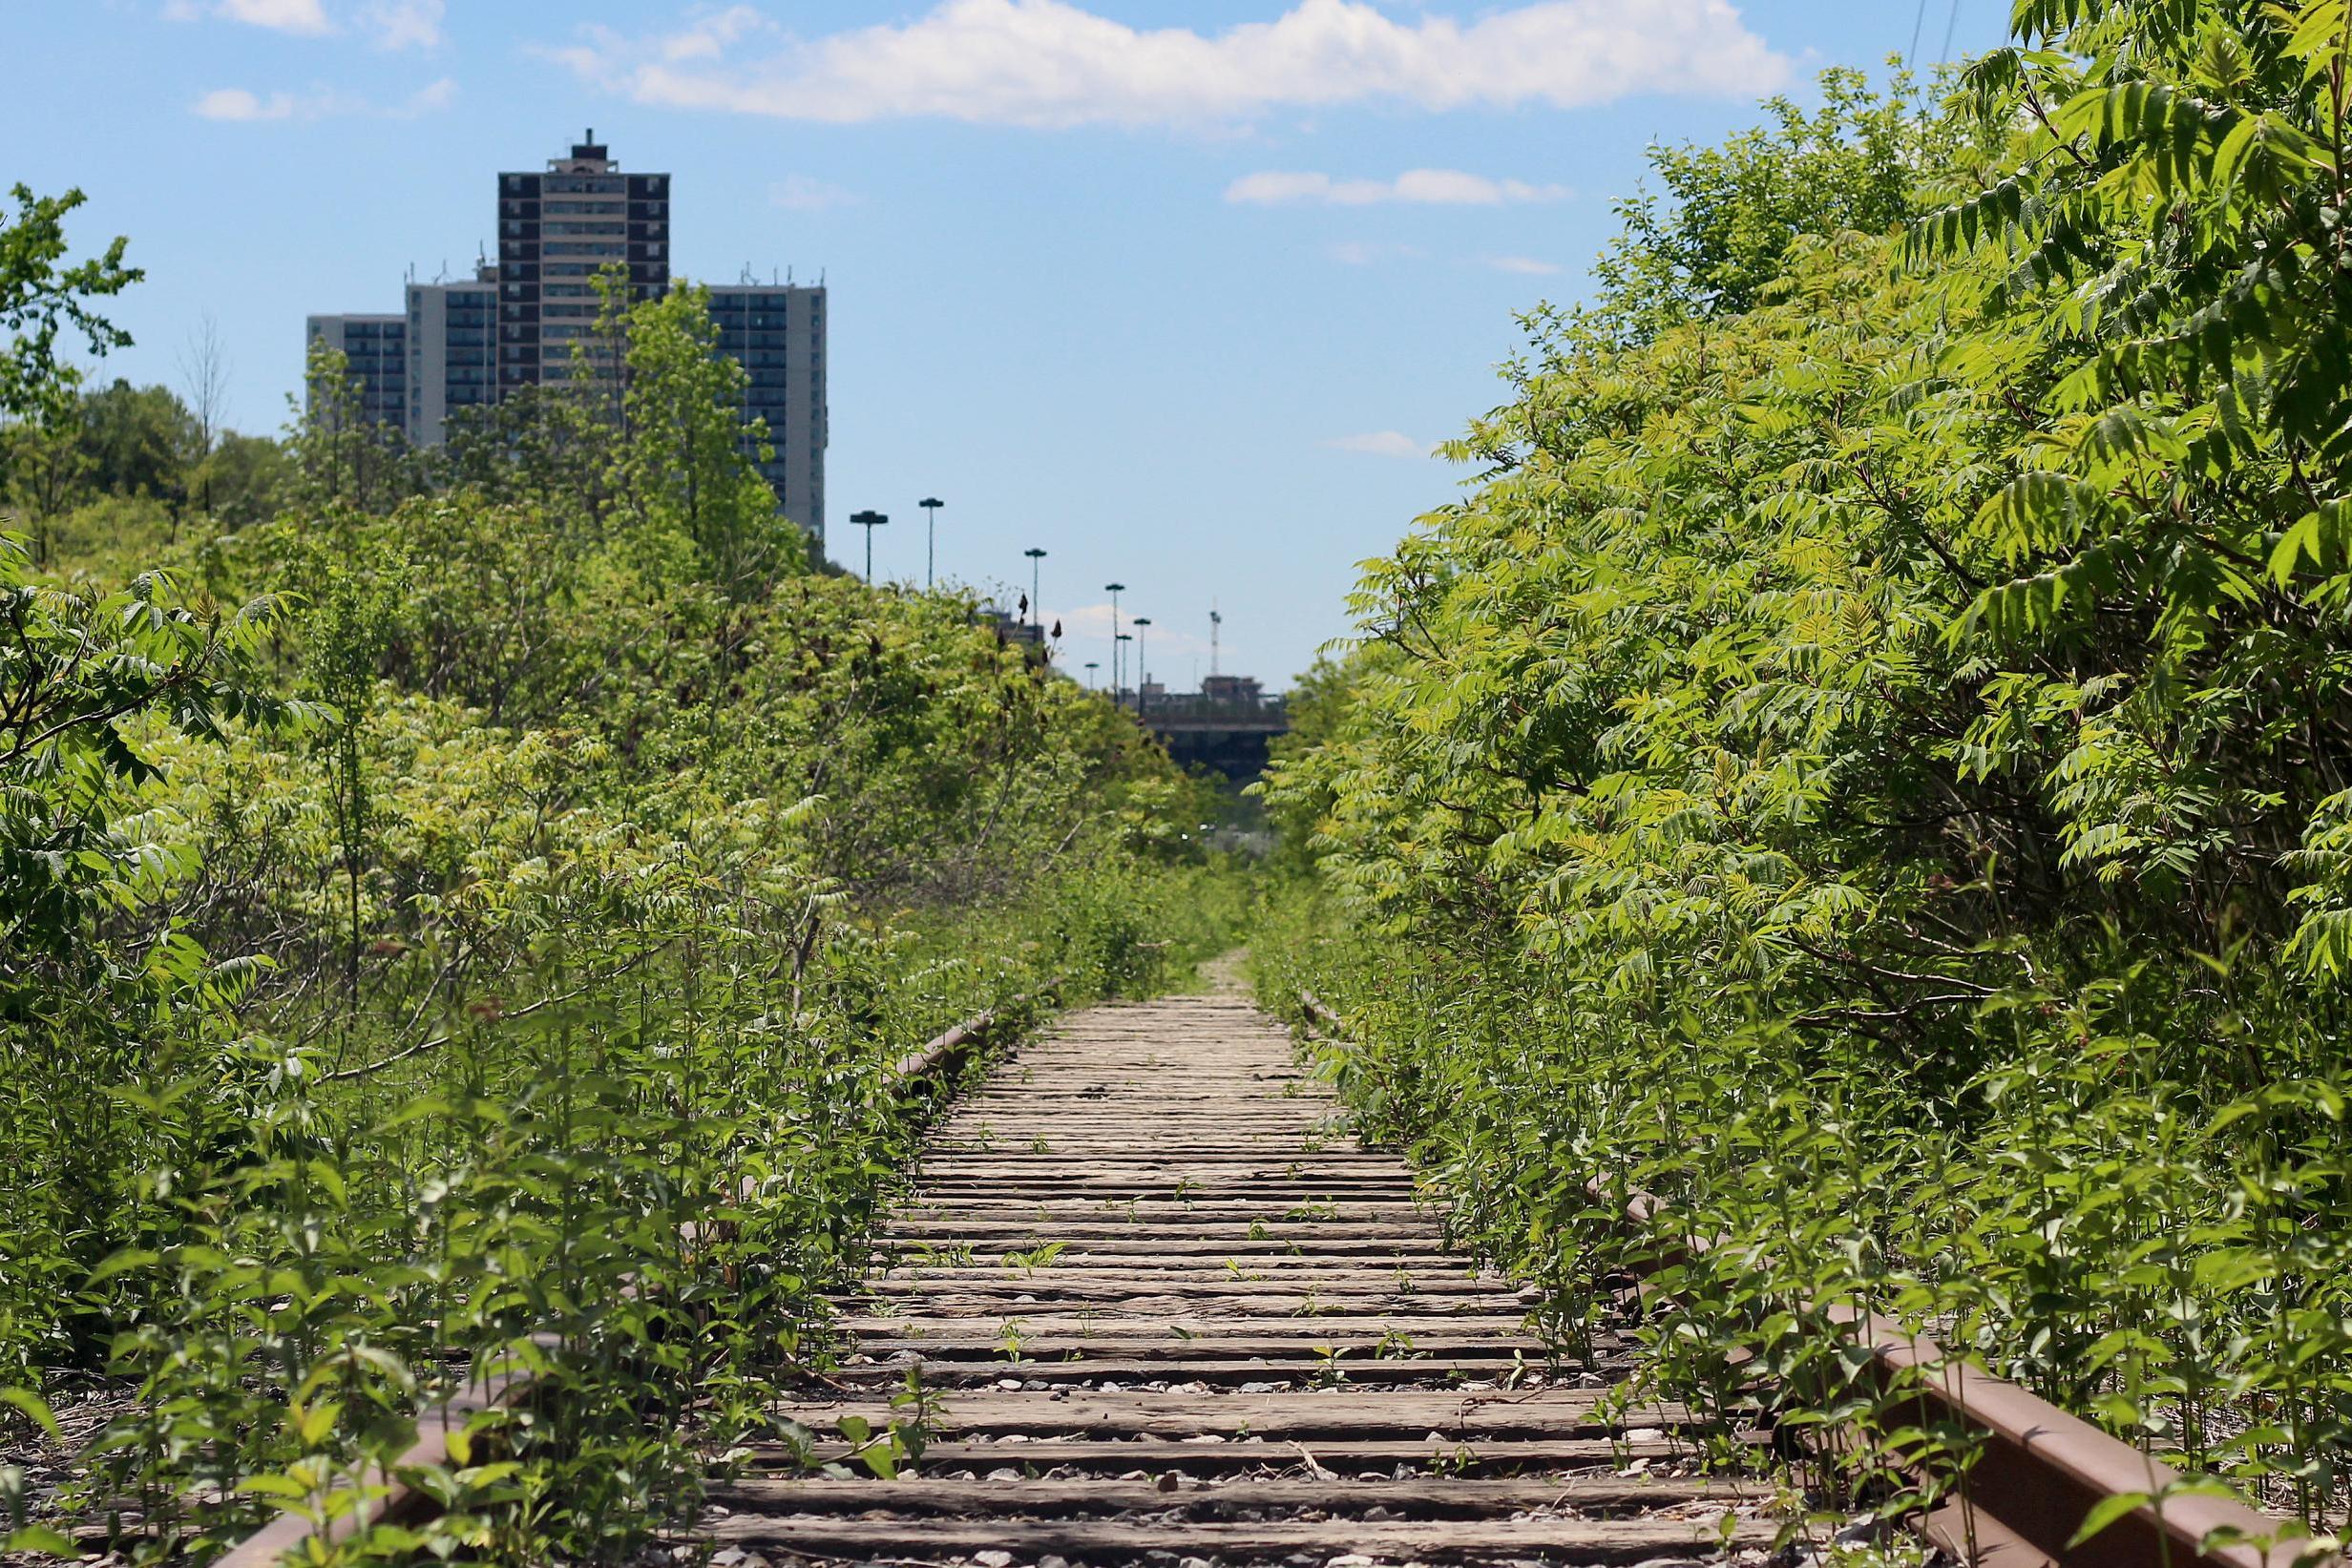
[1215, 620]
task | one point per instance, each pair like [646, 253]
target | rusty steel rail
[2039, 1472]
[400, 1502]
[932, 1058]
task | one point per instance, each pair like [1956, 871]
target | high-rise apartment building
[777, 334]
[516, 324]
[556, 231]
[376, 348]
[453, 352]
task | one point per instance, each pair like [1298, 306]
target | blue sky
[1180, 293]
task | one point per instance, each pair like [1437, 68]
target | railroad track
[1161, 1310]
[1167, 1311]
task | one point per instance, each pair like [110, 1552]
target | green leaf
[2106, 1512]
[40, 1540]
[122, 1262]
[36, 1409]
[2321, 536]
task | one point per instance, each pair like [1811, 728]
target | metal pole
[869, 521]
[1036, 607]
[931, 505]
[1143, 661]
[1115, 589]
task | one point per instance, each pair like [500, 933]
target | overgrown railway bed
[1169, 1311]
[1159, 1308]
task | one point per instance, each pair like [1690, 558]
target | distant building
[1227, 725]
[376, 348]
[516, 323]
[776, 332]
[453, 352]
[1012, 628]
[556, 231]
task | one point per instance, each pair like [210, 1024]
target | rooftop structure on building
[517, 322]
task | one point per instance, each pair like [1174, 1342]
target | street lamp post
[931, 505]
[1143, 663]
[1114, 590]
[1037, 609]
[1092, 665]
[1118, 658]
[869, 521]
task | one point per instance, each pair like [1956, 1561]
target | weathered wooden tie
[1169, 1311]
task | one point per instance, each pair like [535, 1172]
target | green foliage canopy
[1869, 759]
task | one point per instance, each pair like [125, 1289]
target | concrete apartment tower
[377, 350]
[453, 352]
[776, 332]
[556, 231]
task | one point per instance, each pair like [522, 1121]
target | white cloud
[404, 24]
[1525, 265]
[1359, 253]
[431, 98]
[239, 104]
[800, 193]
[1092, 623]
[281, 15]
[1381, 444]
[235, 103]
[1442, 187]
[391, 24]
[1051, 63]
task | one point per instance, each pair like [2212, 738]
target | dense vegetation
[469, 916]
[1870, 763]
